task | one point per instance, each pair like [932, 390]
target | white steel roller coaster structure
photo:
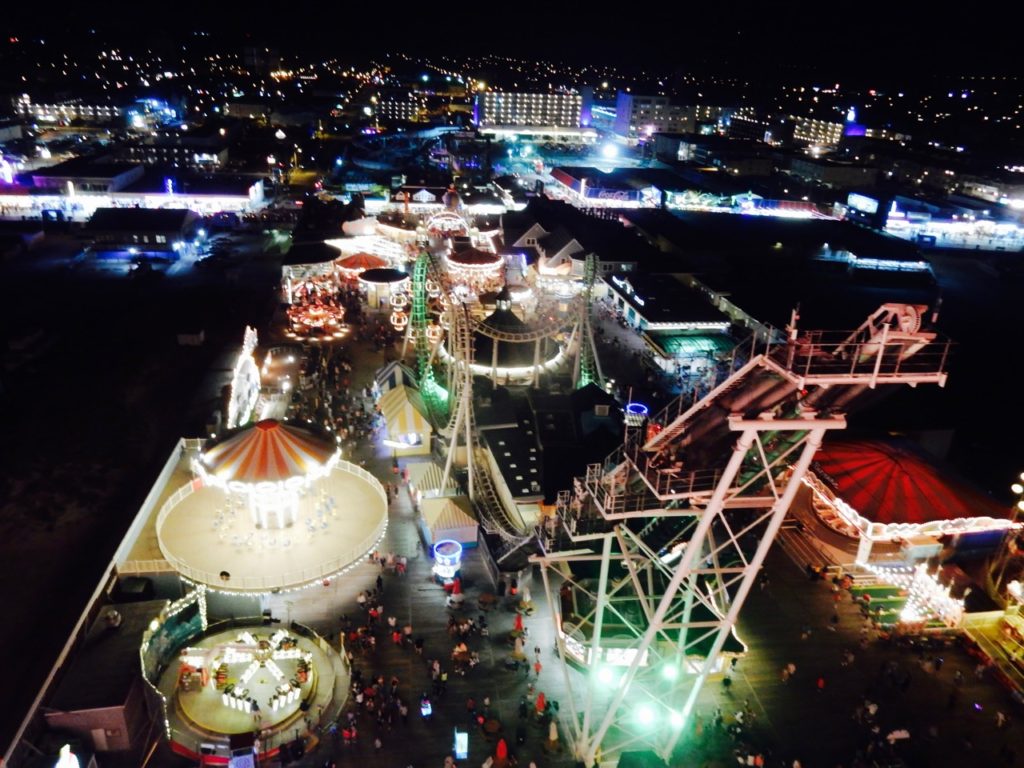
[651, 556]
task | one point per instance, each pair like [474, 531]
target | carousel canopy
[360, 262]
[268, 451]
[383, 276]
[474, 257]
[310, 253]
[893, 482]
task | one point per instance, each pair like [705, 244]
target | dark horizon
[907, 44]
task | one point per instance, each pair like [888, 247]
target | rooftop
[103, 671]
[85, 167]
[311, 253]
[662, 298]
[139, 219]
[518, 457]
[154, 181]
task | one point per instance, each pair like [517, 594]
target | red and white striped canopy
[269, 451]
[360, 262]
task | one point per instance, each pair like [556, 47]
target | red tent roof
[893, 482]
[266, 452]
[362, 261]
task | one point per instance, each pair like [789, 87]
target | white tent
[449, 517]
[393, 374]
[426, 479]
[406, 421]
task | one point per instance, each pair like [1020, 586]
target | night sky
[905, 41]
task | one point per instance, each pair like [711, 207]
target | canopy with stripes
[404, 412]
[268, 451]
[449, 517]
[427, 478]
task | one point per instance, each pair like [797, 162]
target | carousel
[272, 507]
[308, 274]
[214, 682]
[351, 267]
[313, 319]
[509, 350]
[237, 679]
[445, 225]
[480, 271]
[889, 492]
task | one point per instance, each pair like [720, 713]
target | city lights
[597, 312]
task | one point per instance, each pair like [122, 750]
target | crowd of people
[383, 702]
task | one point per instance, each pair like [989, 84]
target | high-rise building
[65, 111]
[506, 108]
[822, 133]
[637, 115]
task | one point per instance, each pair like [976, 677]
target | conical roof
[361, 262]
[383, 275]
[268, 451]
[893, 482]
[310, 253]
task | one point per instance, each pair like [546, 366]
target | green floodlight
[670, 671]
[606, 675]
[676, 719]
[645, 715]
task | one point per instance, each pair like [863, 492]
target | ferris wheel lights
[1017, 488]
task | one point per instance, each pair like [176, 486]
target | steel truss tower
[586, 365]
[434, 395]
[652, 554]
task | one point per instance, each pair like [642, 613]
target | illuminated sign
[862, 203]
[623, 284]
[461, 744]
[628, 289]
[447, 558]
[621, 195]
